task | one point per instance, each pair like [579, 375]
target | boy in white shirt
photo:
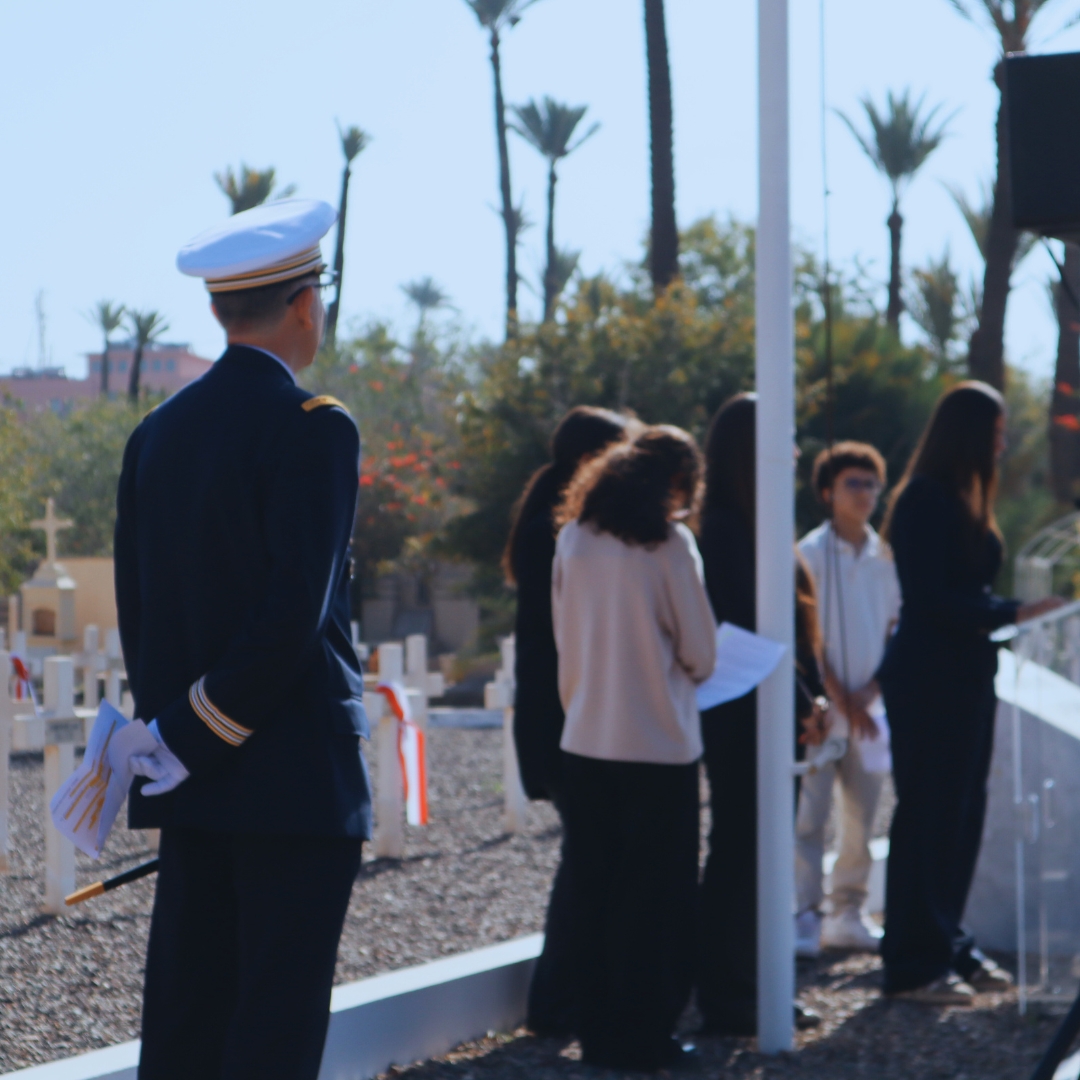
[858, 603]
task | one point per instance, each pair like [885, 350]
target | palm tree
[146, 327]
[899, 143]
[1011, 22]
[427, 296]
[108, 317]
[249, 187]
[977, 215]
[353, 140]
[549, 129]
[937, 306]
[664, 236]
[495, 16]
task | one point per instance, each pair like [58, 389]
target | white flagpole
[775, 379]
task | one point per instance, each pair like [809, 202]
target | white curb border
[396, 1018]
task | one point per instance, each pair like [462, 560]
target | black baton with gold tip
[99, 887]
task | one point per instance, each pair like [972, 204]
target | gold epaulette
[320, 401]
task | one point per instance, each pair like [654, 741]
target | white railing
[1040, 676]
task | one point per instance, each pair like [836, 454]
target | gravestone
[63, 729]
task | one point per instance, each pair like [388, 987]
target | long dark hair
[730, 451]
[583, 432]
[628, 490]
[958, 450]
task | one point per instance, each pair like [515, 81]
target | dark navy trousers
[243, 943]
[942, 742]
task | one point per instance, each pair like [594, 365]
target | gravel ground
[73, 983]
[863, 1036]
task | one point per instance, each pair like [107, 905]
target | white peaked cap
[269, 243]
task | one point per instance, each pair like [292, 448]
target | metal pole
[775, 379]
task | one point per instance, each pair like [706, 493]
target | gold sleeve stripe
[224, 728]
[322, 399]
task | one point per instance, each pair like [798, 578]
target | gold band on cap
[307, 262]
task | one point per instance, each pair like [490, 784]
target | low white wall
[396, 1018]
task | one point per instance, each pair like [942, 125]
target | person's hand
[862, 723]
[1034, 608]
[816, 725]
[164, 769]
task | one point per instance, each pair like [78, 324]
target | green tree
[1011, 22]
[427, 296]
[549, 128]
[353, 142]
[673, 359]
[664, 235]
[248, 188]
[496, 17]
[16, 483]
[899, 142]
[108, 317]
[405, 404]
[937, 306]
[146, 328]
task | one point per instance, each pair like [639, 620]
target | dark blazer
[538, 712]
[234, 516]
[946, 568]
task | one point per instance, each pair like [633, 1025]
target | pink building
[165, 368]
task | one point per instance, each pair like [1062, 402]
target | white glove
[162, 766]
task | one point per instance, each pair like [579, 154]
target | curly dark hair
[632, 488]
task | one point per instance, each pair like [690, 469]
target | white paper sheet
[743, 660]
[876, 753]
[86, 805]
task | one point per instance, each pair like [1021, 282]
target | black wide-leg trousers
[631, 848]
[942, 743]
[551, 991]
[243, 943]
[727, 956]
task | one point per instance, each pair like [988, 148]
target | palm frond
[146, 326]
[249, 187]
[936, 305]
[902, 136]
[564, 268]
[107, 316]
[498, 14]
[425, 294]
[549, 126]
[353, 141]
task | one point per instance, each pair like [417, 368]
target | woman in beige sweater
[635, 635]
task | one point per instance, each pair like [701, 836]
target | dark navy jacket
[234, 515]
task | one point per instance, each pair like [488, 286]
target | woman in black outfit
[538, 713]
[937, 680]
[727, 974]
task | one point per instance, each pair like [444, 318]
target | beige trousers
[859, 794]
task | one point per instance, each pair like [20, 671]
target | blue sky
[117, 114]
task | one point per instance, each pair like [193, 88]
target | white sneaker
[850, 930]
[808, 934]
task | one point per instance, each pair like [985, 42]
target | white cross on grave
[50, 525]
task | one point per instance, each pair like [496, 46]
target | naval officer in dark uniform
[235, 512]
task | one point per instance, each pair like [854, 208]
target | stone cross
[50, 525]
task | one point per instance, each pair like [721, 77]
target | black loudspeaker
[1043, 96]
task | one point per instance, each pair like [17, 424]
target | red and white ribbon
[412, 753]
[24, 685]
